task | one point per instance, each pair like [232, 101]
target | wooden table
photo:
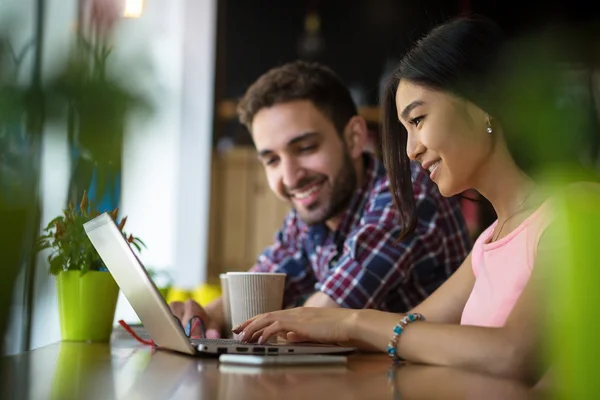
[126, 370]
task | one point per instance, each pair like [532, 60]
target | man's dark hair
[299, 80]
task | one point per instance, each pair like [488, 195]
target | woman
[439, 109]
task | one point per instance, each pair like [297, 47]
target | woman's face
[446, 135]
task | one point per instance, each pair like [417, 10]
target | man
[339, 244]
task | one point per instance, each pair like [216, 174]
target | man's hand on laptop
[185, 311]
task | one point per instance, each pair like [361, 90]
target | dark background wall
[359, 37]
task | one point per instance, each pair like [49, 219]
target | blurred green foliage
[98, 98]
[90, 97]
[545, 96]
[18, 172]
[573, 327]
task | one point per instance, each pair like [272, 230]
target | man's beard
[342, 190]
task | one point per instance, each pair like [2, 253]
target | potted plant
[87, 292]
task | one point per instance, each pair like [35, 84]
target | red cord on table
[135, 336]
[151, 342]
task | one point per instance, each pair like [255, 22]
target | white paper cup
[226, 306]
[254, 293]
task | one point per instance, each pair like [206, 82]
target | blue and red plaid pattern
[361, 264]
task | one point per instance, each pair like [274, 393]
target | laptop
[154, 313]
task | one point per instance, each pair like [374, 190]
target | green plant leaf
[137, 246]
[71, 248]
[56, 265]
[85, 43]
[42, 245]
[85, 267]
[52, 224]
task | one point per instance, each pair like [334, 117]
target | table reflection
[101, 371]
[420, 381]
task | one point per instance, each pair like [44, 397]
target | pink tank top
[502, 269]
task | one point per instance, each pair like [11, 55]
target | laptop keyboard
[217, 342]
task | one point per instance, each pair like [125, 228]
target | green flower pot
[86, 305]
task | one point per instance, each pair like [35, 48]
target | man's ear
[356, 135]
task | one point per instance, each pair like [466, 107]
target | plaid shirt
[361, 264]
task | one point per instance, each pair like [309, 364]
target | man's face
[306, 161]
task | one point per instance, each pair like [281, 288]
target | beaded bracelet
[398, 329]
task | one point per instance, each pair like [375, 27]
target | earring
[489, 126]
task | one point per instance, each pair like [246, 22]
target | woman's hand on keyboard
[324, 325]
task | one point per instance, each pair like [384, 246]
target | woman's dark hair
[454, 57]
[525, 83]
